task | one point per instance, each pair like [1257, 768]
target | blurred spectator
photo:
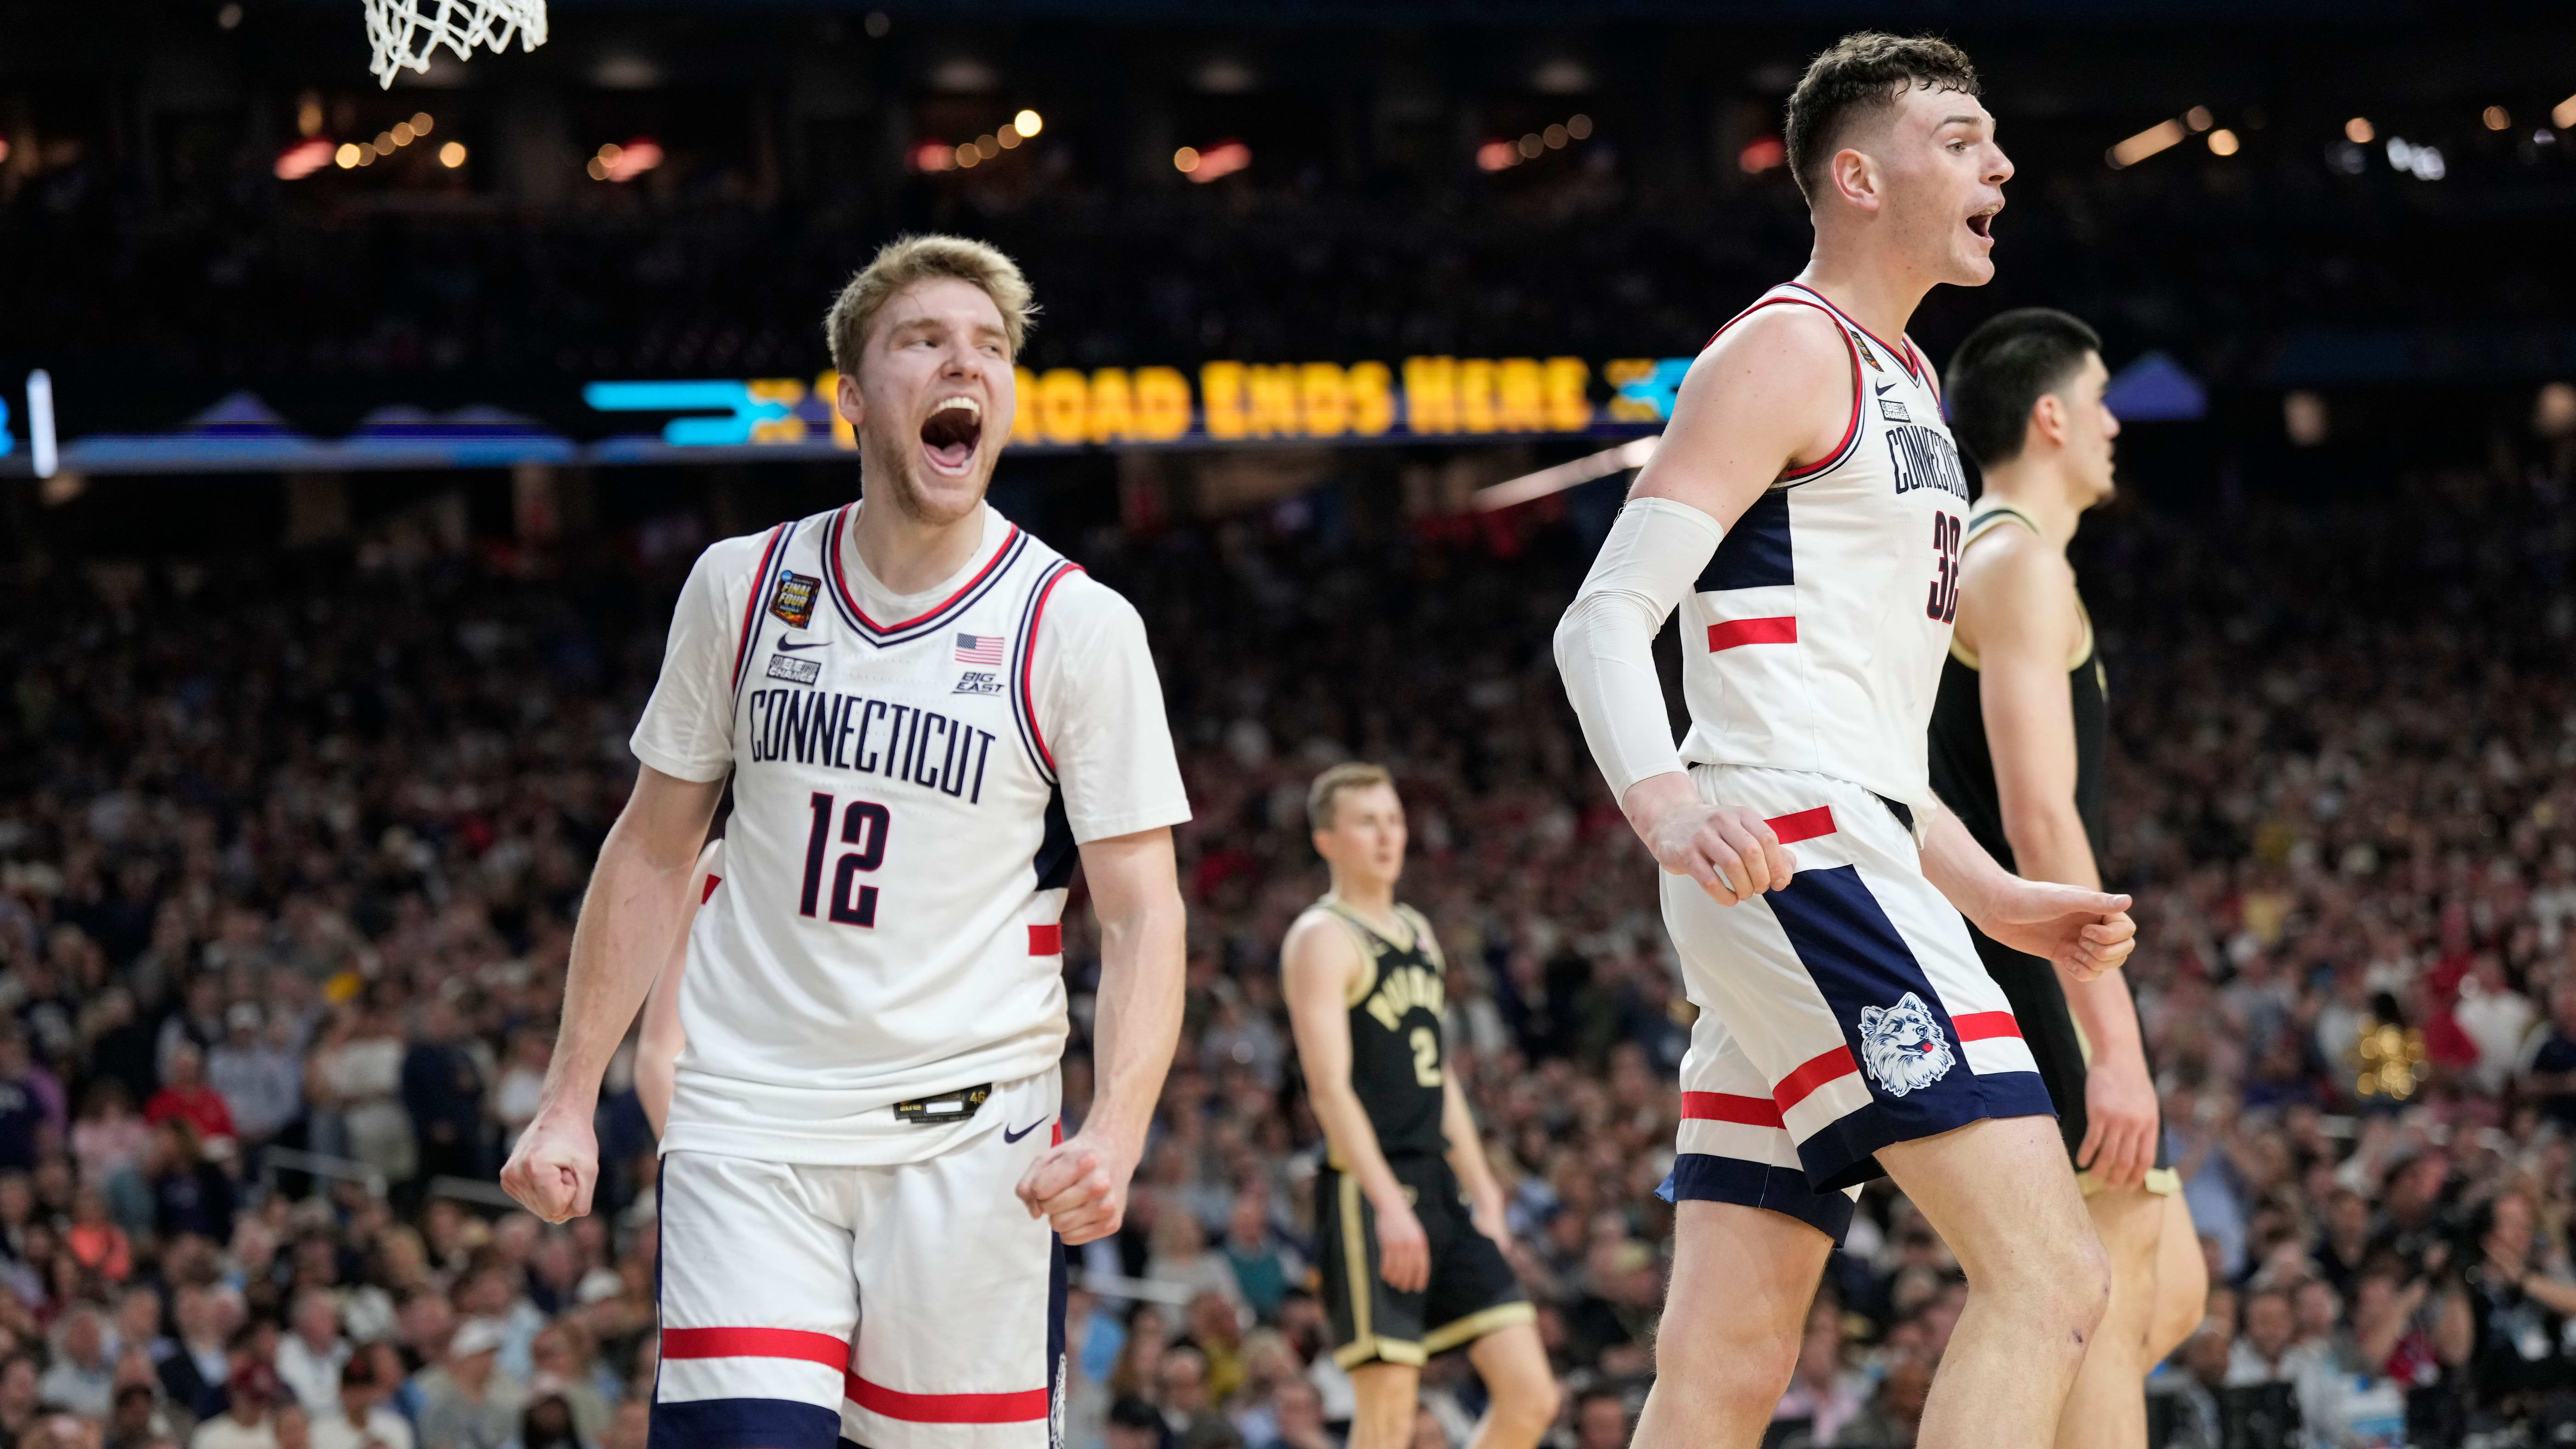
[1600, 1420]
[187, 1097]
[442, 1086]
[83, 1376]
[258, 1076]
[312, 1354]
[1262, 1264]
[466, 1403]
[248, 1420]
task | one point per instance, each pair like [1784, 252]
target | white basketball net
[403, 32]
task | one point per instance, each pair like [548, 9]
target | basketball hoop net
[402, 33]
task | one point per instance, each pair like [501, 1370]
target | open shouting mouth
[1982, 222]
[951, 432]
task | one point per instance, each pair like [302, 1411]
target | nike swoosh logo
[1010, 1136]
[792, 648]
[1883, 387]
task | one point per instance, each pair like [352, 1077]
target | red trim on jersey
[1047, 940]
[1782, 629]
[1851, 428]
[1804, 825]
[751, 606]
[1925, 375]
[709, 893]
[1901, 356]
[1830, 1067]
[1057, 1139]
[795, 1343]
[1029, 657]
[1013, 1408]
[841, 582]
[1982, 1025]
[1728, 1107]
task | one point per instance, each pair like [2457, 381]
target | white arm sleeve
[1605, 645]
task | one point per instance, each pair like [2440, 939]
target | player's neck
[1879, 297]
[906, 554]
[2036, 490]
[1370, 900]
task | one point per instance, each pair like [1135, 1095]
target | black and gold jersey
[1962, 763]
[1396, 1003]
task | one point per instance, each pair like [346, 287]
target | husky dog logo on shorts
[1903, 1046]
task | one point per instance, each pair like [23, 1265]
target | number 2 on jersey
[863, 825]
[1426, 1056]
[1944, 601]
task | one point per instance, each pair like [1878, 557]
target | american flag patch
[979, 648]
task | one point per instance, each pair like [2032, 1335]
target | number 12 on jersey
[1944, 601]
[863, 825]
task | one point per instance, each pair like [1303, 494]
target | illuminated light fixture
[308, 115]
[452, 155]
[2497, 118]
[2359, 131]
[2198, 118]
[401, 133]
[987, 147]
[1530, 487]
[229, 17]
[2563, 115]
[625, 163]
[366, 155]
[303, 158]
[1579, 127]
[2222, 142]
[421, 124]
[1008, 137]
[1496, 155]
[1186, 160]
[1219, 161]
[346, 157]
[1028, 123]
[1531, 146]
[2163, 135]
[932, 156]
[1555, 137]
[968, 156]
[1761, 154]
[2424, 163]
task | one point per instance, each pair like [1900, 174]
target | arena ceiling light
[1220, 160]
[304, 158]
[2162, 136]
[1530, 487]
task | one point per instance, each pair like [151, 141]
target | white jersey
[1814, 638]
[908, 799]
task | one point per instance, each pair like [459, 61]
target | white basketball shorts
[1841, 1014]
[913, 1306]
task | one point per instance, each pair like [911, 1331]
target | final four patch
[1865, 354]
[794, 599]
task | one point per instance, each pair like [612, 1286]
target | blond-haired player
[1409, 1217]
[926, 716]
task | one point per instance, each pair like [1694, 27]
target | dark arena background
[356, 441]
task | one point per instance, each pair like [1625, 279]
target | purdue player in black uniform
[2016, 753]
[1408, 1216]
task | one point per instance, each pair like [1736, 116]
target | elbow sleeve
[1605, 644]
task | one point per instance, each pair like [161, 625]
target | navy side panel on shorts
[1920, 1082]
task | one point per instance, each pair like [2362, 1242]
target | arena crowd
[292, 852]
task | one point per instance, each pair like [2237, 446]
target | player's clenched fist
[1728, 849]
[2083, 932]
[1080, 1188]
[553, 1169]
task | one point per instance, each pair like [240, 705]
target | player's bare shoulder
[1772, 391]
[2013, 583]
